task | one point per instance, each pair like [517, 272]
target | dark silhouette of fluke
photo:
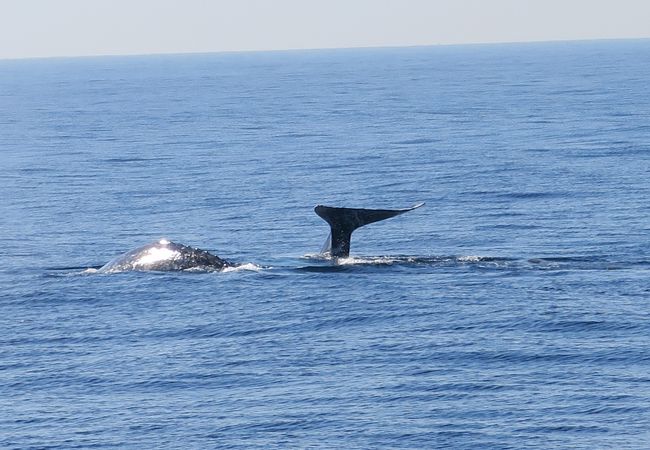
[343, 221]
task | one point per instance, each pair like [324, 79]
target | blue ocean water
[512, 311]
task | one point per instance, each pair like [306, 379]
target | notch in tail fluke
[343, 221]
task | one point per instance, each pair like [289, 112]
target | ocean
[512, 311]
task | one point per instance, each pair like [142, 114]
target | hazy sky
[31, 28]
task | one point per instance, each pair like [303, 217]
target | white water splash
[320, 256]
[372, 260]
[243, 267]
[470, 258]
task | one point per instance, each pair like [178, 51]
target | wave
[326, 264]
[359, 262]
[478, 261]
[94, 270]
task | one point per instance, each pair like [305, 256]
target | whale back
[165, 256]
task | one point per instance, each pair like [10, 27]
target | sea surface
[512, 311]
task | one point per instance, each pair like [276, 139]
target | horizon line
[316, 49]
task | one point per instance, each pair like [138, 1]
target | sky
[47, 28]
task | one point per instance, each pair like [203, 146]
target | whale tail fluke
[343, 221]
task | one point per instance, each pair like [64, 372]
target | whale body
[164, 255]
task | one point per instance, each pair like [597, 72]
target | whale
[164, 255]
[343, 221]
